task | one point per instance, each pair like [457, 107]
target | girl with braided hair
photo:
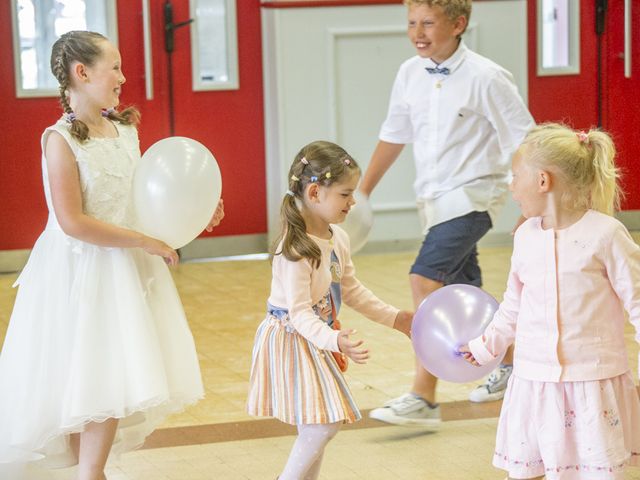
[300, 351]
[98, 350]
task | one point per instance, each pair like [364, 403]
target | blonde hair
[320, 162]
[83, 47]
[452, 8]
[585, 160]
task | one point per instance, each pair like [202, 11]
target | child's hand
[403, 321]
[350, 348]
[158, 247]
[467, 355]
[218, 215]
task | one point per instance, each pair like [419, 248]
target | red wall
[570, 99]
[229, 123]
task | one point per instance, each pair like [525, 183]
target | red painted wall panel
[565, 98]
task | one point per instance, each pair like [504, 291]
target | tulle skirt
[569, 430]
[95, 333]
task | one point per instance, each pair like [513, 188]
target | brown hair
[320, 162]
[585, 160]
[83, 47]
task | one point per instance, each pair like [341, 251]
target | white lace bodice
[106, 167]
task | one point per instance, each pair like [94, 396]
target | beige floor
[215, 439]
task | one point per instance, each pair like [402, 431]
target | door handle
[627, 38]
[148, 61]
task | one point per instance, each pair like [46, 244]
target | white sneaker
[494, 387]
[408, 409]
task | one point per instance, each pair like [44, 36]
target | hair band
[582, 136]
[107, 112]
[70, 117]
[328, 174]
[294, 178]
[313, 179]
[304, 160]
[290, 193]
[347, 161]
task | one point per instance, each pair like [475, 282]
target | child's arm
[501, 332]
[383, 157]
[362, 300]
[66, 196]
[295, 278]
[622, 262]
[217, 217]
[507, 112]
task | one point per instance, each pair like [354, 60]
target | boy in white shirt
[465, 118]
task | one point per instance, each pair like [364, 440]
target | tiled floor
[215, 439]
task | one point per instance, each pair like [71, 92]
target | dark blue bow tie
[443, 70]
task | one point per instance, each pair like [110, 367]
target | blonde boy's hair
[452, 8]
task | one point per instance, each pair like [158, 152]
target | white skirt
[95, 333]
[569, 430]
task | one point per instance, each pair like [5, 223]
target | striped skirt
[294, 381]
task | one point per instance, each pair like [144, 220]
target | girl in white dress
[98, 350]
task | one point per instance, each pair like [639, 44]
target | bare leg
[95, 444]
[424, 384]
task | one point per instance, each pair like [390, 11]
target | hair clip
[290, 193]
[70, 117]
[294, 178]
[313, 179]
[582, 136]
[107, 112]
[347, 161]
[304, 160]
[328, 174]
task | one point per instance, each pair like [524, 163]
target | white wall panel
[328, 75]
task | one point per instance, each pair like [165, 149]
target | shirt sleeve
[622, 262]
[507, 112]
[296, 282]
[501, 332]
[357, 296]
[397, 127]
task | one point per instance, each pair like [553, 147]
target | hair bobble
[304, 160]
[583, 137]
[107, 112]
[313, 179]
[347, 161]
[294, 178]
[70, 117]
[290, 193]
[327, 175]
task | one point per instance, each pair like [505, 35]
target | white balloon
[176, 188]
[359, 222]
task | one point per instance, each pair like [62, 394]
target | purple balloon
[447, 319]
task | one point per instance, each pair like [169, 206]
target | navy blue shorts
[449, 253]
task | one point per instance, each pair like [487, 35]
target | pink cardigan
[297, 286]
[565, 301]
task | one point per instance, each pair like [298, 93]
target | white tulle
[95, 333]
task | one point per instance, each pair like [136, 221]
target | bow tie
[443, 70]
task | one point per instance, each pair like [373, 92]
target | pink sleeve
[501, 332]
[296, 282]
[356, 295]
[622, 261]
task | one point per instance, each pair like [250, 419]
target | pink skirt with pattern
[569, 430]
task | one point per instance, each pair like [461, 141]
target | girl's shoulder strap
[61, 127]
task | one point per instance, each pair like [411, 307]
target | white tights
[305, 458]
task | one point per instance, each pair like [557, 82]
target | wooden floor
[215, 439]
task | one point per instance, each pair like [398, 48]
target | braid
[84, 47]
